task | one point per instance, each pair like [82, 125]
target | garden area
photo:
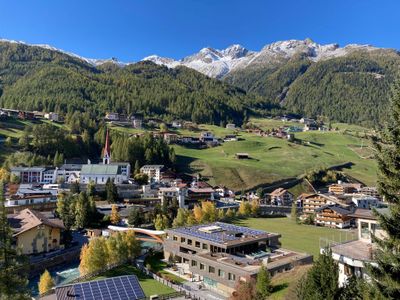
[149, 285]
[155, 264]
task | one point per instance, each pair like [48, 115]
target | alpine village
[227, 174]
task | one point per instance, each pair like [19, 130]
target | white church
[119, 172]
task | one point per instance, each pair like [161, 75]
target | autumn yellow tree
[198, 214]
[255, 208]
[210, 213]
[115, 218]
[132, 245]
[4, 175]
[46, 282]
[84, 267]
[244, 209]
[94, 256]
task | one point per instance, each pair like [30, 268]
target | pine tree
[137, 167]
[386, 272]
[111, 191]
[321, 281]
[82, 210]
[46, 282]
[263, 284]
[13, 284]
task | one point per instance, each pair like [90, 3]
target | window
[231, 277]
[202, 267]
[175, 238]
[205, 246]
[197, 244]
[221, 273]
[183, 240]
[211, 269]
[189, 242]
[194, 263]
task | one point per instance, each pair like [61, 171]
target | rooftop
[222, 233]
[116, 288]
[100, 169]
[28, 219]
[358, 250]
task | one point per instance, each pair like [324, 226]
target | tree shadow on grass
[279, 287]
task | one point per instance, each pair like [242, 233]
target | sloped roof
[99, 169]
[337, 209]
[27, 219]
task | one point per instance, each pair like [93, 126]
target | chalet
[26, 115]
[344, 188]
[170, 138]
[28, 195]
[307, 121]
[281, 197]
[230, 138]
[176, 124]
[52, 116]
[333, 216]
[207, 136]
[230, 126]
[137, 121]
[309, 127]
[112, 116]
[196, 195]
[370, 191]
[35, 232]
[242, 155]
[311, 202]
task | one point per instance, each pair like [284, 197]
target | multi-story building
[364, 201]
[221, 254]
[311, 202]
[152, 171]
[352, 256]
[281, 197]
[333, 216]
[28, 195]
[344, 188]
[35, 232]
[28, 174]
[370, 191]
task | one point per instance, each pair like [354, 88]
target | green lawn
[158, 266]
[149, 285]
[302, 238]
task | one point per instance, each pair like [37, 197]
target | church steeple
[106, 150]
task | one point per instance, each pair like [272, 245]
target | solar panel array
[116, 288]
[228, 233]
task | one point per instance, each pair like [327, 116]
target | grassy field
[274, 159]
[149, 285]
[302, 238]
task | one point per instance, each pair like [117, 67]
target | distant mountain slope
[348, 84]
[38, 78]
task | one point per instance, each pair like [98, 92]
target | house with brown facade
[333, 216]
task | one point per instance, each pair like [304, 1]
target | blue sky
[132, 29]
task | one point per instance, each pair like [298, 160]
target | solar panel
[116, 288]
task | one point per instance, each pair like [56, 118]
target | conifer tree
[46, 282]
[263, 284]
[321, 281]
[386, 271]
[13, 285]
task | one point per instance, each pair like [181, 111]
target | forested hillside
[34, 78]
[352, 88]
